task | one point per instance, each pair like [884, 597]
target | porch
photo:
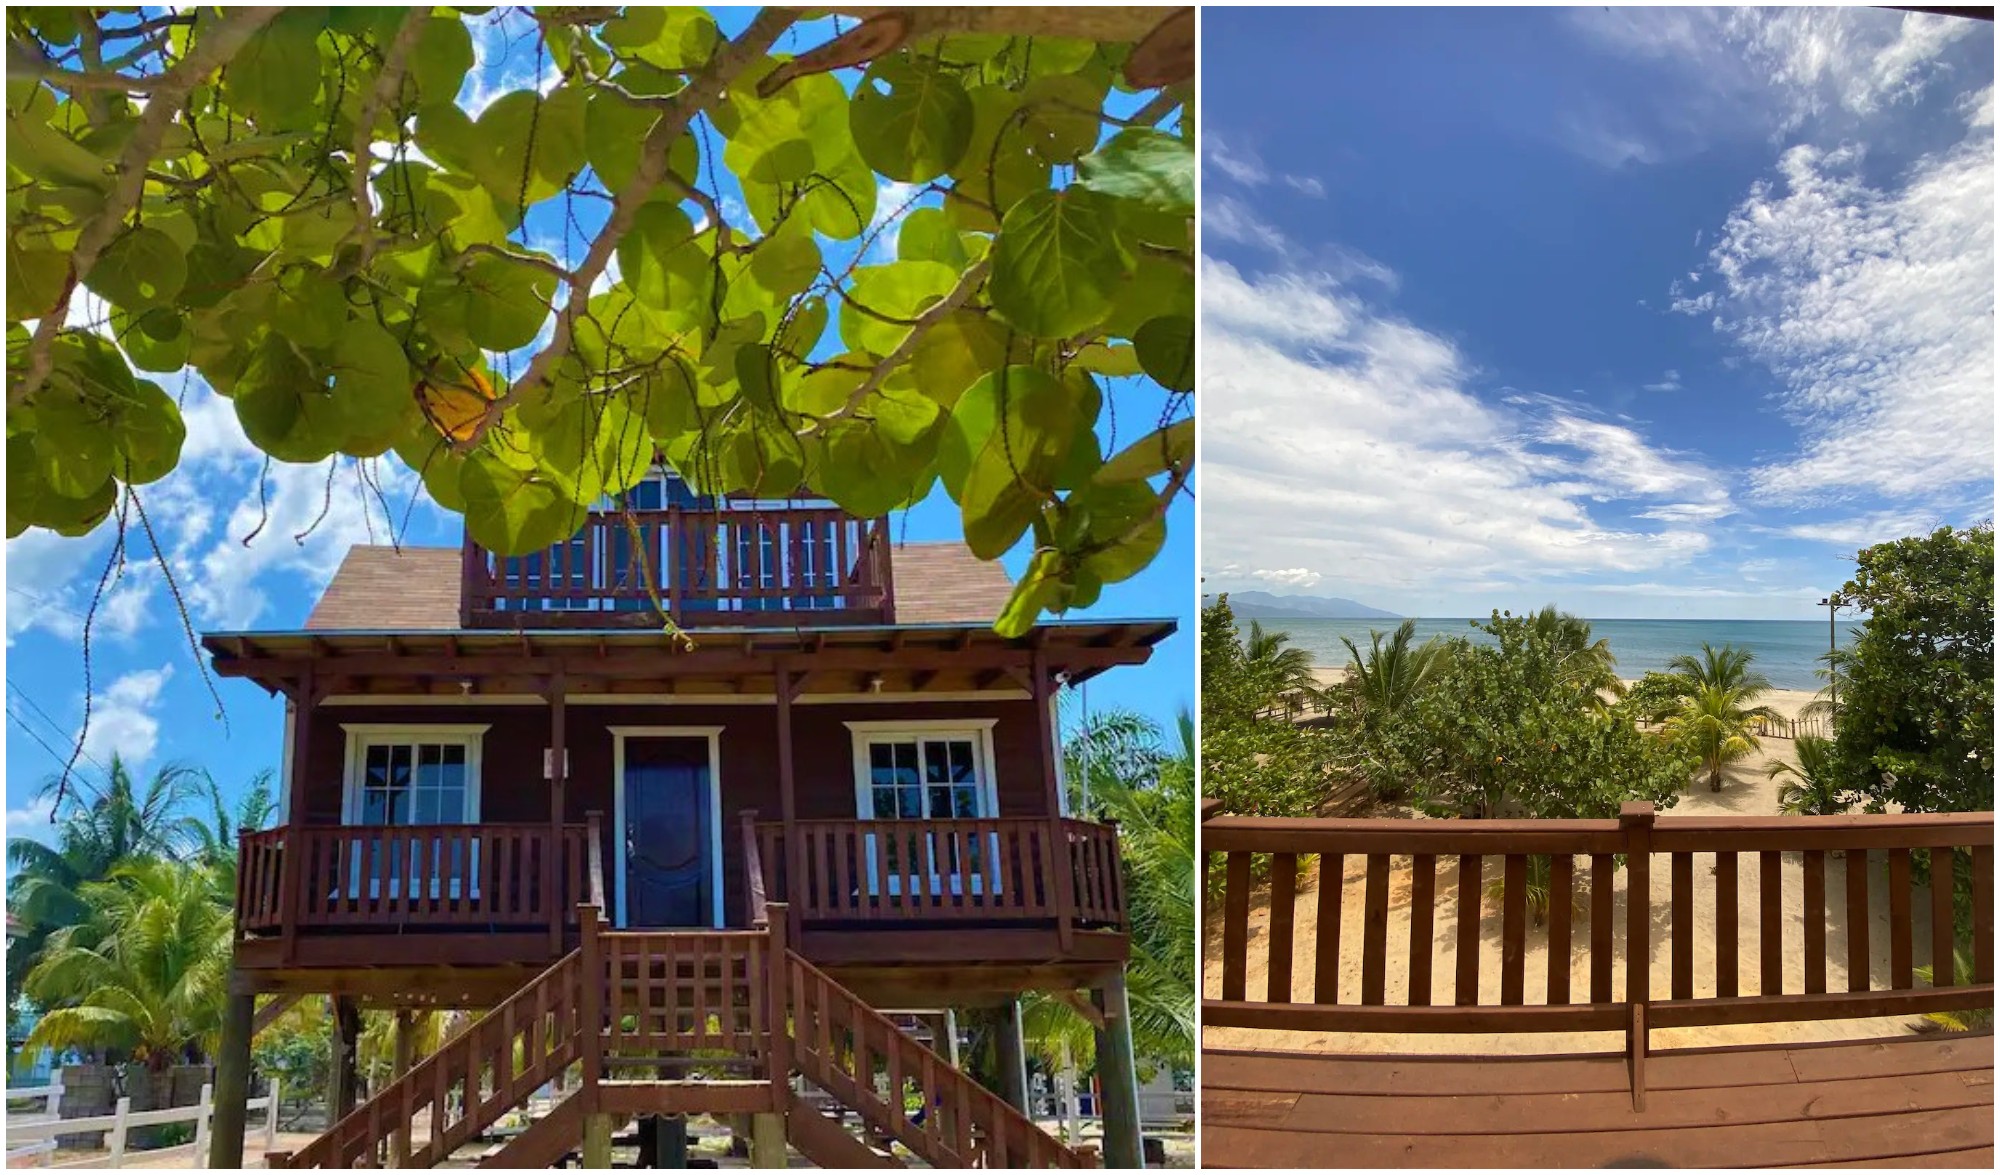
[1041, 891]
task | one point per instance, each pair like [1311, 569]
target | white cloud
[1670, 382]
[1245, 169]
[123, 720]
[1864, 530]
[32, 820]
[1874, 307]
[1339, 436]
[1297, 577]
[1306, 184]
[1231, 220]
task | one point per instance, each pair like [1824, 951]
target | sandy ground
[1746, 792]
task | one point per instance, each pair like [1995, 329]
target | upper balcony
[702, 565]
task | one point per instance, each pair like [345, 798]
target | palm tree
[145, 975]
[1581, 662]
[214, 840]
[1717, 715]
[97, 830]
[1390, 676]
[1277, 667]
[1813, 790]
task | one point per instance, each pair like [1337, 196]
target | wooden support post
[292, 863]
[753, 872]
[1011, 1051]
[1636, 1049]
[795, 863]
[594, 982]
[1635, 820]
[1062, 860]
[951, 1036]
[558, 781]
[405, 1046]
[232, 1082]
[777, 993]
[344, 1079]
[767, 1141]
[597, 1142]
[1118, 1077]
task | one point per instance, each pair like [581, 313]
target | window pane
[941, 807]
[968, 802]
[936, 762]
[374, 806]
[906, 763]
[399, 765]
[426, 807]
[910, 802]
[885, 802]
[962, 770]
[451, 805]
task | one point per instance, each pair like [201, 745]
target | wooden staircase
[693, 1003]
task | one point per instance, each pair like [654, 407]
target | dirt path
[1747, 792]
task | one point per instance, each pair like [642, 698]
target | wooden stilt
[1118, 1077]
[232, 1083]
[767, 1141]
[1012, 1056]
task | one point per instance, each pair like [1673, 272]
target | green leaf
[1062, 120]
[1056, 264]
[663, 263]
[1118, 529]
[911, 121]
[275, 77]
[35, 279]
[440, 59]
[669, 38]
[30, 501]
[1038, 591]
[955, 353]
[284, 406]
[1014, 474]
[898, 291]
[149, 433]
[73, 449]
[141, 268]
[1155, 453]
[309, 308]
[515, 512]
[155, 340]
[1166, 351]
[372, 382]
[926, 234]
[507, 301]
[1149, 166]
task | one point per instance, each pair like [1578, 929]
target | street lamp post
[1832, 604]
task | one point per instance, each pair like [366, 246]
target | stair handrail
[594, 821]
[368, 1126]
[969, 1102]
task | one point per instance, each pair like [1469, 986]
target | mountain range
[1256, 605]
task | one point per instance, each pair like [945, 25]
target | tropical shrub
[1813, 788]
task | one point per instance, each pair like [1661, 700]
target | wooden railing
[1538, 861]
[441, 875]
[467, 1085]
[1018, 869]
[862, 1058]
[636, 998]
[701, 567]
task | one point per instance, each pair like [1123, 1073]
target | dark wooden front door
[669, 847]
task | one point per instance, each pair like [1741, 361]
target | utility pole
[1832, 604]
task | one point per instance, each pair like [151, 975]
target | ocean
[1785, 649]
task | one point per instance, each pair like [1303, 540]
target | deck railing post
[753, 869]
[1635, 820]
[593, 982]
[777, 995]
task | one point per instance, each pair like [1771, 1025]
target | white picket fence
[33, 1140]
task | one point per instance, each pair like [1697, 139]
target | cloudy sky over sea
[1653, 312]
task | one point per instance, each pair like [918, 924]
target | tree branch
[542, 263]
[703, 89]
[388, 87]
[169, 94]
[937, 312]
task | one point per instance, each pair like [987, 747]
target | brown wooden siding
[512, 789]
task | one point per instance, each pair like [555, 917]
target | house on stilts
[706, 871]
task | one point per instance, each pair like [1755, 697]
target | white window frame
[980, 732]
[361, 736]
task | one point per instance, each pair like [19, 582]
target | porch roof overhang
[831, 660]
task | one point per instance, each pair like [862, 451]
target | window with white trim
[935, 777]
[414, 779]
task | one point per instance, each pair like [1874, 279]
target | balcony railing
[1010, 870]
[700, 566]
[445, 876]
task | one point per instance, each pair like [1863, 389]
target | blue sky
[149, 700]
[1648, 312]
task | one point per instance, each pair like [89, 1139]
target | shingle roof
[416, 589]
[382, 589]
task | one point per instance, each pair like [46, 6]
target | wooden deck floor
[1909, 1102]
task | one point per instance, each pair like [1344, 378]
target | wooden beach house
[682, 874]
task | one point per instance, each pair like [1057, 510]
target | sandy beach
[1746, 792]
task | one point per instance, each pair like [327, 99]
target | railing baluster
[1601, 926]
[1470, 869]
[1982, 913]
[1562, 902]
[1944, 960]
[1815, 914]
[1375, 929]
[1326, 928]
[1284, 877]
[1514, 929]
[1683, 929]
[1902, 970]
[1771, 922]
[1725, 924]
[1855, 866]
[1235, 926]
[1423, 887]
